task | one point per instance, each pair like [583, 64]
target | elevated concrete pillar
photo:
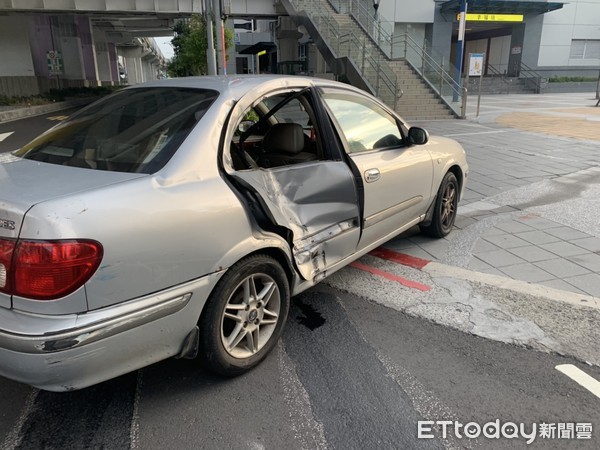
[133, 64]
[103, 62]
[287, 40]
[148, 69]
[69, 44]
[41, 41]
[17, 72]
[88, 50]
[113, 60]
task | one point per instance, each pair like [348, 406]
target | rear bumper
[61, 353]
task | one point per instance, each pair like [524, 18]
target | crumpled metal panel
[318, 203]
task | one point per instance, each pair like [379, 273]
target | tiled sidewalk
[511, 235]
[521, 246]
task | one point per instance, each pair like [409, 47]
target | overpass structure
[48, 44]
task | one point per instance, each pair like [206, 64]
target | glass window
[134, 130]
[365, 125]
[585, 49]
[292, 112]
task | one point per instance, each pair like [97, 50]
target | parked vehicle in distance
[178, 217]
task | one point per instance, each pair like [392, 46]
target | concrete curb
[436, 269]
[20, 113]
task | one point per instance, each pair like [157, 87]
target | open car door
[300, 184]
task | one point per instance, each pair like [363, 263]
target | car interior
[282, 133]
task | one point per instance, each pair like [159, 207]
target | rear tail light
[47, 270]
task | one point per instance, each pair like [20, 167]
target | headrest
[284, 137]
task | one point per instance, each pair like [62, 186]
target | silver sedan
[177, 218]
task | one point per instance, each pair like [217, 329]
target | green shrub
[570, 79]
[57, 95]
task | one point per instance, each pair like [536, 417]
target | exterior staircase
[351, 52]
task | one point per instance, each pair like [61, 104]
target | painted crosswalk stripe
[5, 135]
[581, 378]
[400, 258]
[390, 276]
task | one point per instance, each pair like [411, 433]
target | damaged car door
[301, 184]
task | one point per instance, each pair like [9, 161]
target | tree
[190, 46]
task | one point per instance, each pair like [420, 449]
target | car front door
[396, 178]
[300, 183]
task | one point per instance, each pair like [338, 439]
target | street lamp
[376, 7]
[376, 24]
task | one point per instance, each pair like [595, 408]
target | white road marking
[5, 135]
[308, 431]
[134, 431]
[474, 133]
[581, 378]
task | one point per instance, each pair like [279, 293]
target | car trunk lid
[25, 183]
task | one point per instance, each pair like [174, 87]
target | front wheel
[244, 316]
[444, 209]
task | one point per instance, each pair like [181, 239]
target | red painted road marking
[389, 276]
[400, 258]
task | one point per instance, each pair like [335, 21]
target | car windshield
[134, 130]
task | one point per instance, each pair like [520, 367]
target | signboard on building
[55, 62]
[476, 64]
[479, 17]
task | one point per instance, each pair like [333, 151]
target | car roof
[235, 86]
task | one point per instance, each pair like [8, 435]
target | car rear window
[135, 130]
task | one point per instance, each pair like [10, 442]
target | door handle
[372, 175]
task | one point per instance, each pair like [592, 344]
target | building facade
[554, 38]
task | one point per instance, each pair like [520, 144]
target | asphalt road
[348, 374]
[17, 133]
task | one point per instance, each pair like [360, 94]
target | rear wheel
[444, 209]
[244, 316]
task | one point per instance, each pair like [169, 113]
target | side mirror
[417, 136]
[245, 125]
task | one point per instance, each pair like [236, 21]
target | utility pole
[220, 33]
[210, 51]
[460, 44]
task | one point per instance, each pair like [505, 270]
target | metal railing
[372, 65]
[431, 65]
[532, 78]
[498, 73]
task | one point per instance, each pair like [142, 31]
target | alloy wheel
[250, 315]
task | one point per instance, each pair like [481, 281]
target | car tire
[245, 315]
[444, 209]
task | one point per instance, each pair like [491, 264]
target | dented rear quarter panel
[153, 236]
